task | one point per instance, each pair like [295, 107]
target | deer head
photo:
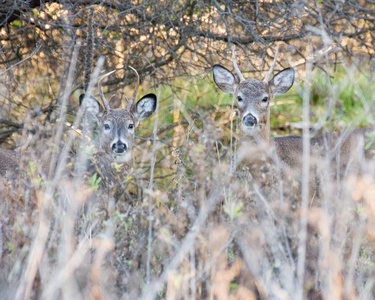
[253, 96]
[116, 126]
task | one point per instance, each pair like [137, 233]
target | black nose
[119, 147]
[249, 120]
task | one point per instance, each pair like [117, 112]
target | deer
[261, 156]
[113, 159]
[116, 137]
[253, 102]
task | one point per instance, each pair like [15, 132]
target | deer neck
[254, 150]
[261, 136]
[110, 170]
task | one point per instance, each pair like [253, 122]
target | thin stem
[150, 187]
[20, 62]
[305, 185]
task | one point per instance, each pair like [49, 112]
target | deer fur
[346, 146]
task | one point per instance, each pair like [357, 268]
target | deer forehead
[118, 116]
[253, 89]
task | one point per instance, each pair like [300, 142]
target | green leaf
[166, 231]
[33, 168]
[11, 246]
[233, 209]
[371, 139]
[94, 181]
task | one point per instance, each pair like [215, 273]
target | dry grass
[197, 231]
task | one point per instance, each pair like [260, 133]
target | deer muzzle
[249, 120]
[119, 147]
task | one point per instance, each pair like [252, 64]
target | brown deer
[253, 100]
[115, 139]
[340, 153]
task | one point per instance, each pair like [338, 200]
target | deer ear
[144, 107]
[224, 79]
[282, 81]
[90, 105]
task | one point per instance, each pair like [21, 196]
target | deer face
[116, 135]
[253, 96]
[116, 126]
[253, 104]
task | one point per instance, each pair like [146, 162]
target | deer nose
[249, 120]
[119, 147]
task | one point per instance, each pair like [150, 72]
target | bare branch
[20, 62]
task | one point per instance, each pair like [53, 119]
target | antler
[131, 101]
[105, 102]
[235, 64]
[272, 66]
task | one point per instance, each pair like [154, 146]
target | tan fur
[340, 146]
[257, 90]
[9, 163]
[119, 120]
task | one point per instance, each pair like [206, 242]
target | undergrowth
[199, 230]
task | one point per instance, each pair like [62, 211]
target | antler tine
[235, 64]
[131, 101]
[267, 78]
[105, 102]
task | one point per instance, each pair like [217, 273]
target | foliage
[164, 40]
[199, 226]
[192, 225]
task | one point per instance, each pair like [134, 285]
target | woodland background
[188, 228]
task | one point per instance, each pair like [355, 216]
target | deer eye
[265, 99]
[106, 127]
[131, 126]
[239, 98]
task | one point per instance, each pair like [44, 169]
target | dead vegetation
[192, 223]
[206, 233]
